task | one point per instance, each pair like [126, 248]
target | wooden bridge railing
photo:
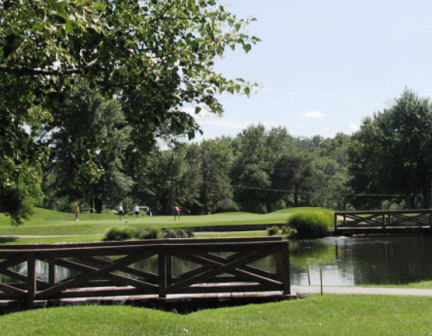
[382, 219]
[111, 269]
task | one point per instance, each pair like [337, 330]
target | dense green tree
[217, 193]
[154, 56]
[282, 148]
[190, 175]
[293, 174]
[329, 183]
[251, 170]
[259, 174]
[171, 177]
[336, 148]
[21, 163]
[88, 142]
[390, 154]
[330, 173]
[154, 182]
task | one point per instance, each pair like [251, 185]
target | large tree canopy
[87, 150]
[155, 56]
[390, 155]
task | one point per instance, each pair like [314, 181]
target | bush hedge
[119, 234]
[310, 224]
[146, 233]
[273, 230]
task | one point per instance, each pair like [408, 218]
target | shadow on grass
[4, 240]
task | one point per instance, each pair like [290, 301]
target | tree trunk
[296, 195]
[268, 206]
[98, 205]
[409, 202]
[427, 195]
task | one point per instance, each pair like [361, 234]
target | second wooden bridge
[388, 221]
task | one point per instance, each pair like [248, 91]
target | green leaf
[98, 6]
[69, 27]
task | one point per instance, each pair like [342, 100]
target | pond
[369, 260]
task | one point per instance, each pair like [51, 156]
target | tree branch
[35, 72]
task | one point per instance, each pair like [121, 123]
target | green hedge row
[116, 234]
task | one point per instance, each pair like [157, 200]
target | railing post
[283, 267]
[335, 222]
[31, 279]
[168, 267]
[162, 273]
[51, 272]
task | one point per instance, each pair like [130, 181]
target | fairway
[92, 227]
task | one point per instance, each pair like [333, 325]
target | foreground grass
[47, 222]
[316, 315]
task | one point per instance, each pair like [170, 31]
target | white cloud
[224, 123]
[354, 127]
[312, 93]
[191, 110]
[313, 115]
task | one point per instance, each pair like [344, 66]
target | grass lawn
[316, 315]
[47, 222]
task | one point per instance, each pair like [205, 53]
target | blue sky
[324, 65]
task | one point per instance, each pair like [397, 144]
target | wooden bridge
[388, 221]
[223, 268]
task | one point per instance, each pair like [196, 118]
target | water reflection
[349, 261]
[149, 265]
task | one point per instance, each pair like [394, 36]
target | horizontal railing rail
[124, 268]
[382, 219]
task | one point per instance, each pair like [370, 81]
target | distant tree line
[259, 170]
[386, 164]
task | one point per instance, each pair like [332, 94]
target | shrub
[178, 233]
[148, 233]
[310, 224]
[288, 231]
[274, 230]
[119, 234]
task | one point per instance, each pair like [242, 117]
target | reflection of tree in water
[303, 252]
[180, 266]
[314, 252]
[42, 271]
[363, 260]
[150, 265]
[393, 260]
